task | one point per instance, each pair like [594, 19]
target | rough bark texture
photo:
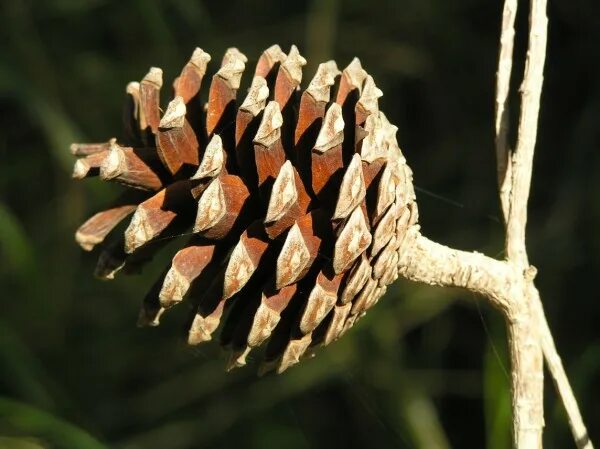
[435, 264]
[505, 58]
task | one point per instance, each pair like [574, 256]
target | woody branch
[508, 284]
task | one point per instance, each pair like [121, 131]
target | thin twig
[522, 161]
[561, 382]
[503, 75]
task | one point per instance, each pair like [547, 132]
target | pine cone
[299, 201]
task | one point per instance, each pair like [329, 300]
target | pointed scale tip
[257, 96]
[213, 159]
[201, 330]
[356, 280]
[233, 54]
[133, 88]
[237, 359]
[80, 169]
[275, 53]
[211, 206]
[112, 165]
[370, 94]
[264, 322]
[352, 190]
[174, 116]
[95, 229]
[88, 149]
[74, 148]
[138, 232]
[318, 305]
[268, 59]
[293, 64]
[293, 258]
[320, 86]
[239, 270]
[355, 73]
[149, 319]
[354, 239]
[385, 229]
[173, 289]
[283, 194]
[232, 69]
[293, 352]
[332, 131]
[270, 126]
[154, 76]
[200, 58]
[374, 145]
[85, 241]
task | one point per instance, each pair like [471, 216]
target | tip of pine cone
[293, 64]
[146, 319]
[237, 359]
[174, 116]
[154, 76]
[199, 57]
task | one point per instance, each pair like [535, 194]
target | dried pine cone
[299, 201]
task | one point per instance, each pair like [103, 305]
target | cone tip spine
[269, 129]
[154, 76]
[257, 96]
[174, 116]
[283, 194]
[213, 159]
[332, 130]
[293, 64]
[200, 58]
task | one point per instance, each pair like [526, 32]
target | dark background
[426, 368]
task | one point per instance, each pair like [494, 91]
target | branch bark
[423, 260]
[508, 284]
[522, 159]
[514, 189]
[561, 382]
[503, 75]
[523, 326]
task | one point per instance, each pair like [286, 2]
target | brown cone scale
[298, 200]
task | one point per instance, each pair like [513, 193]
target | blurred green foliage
[427, 368]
